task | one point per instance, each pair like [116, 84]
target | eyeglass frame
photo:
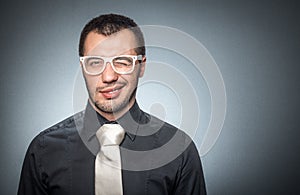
[110, 60]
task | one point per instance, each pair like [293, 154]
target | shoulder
[164, 129]
[172, 145]
[51, 145]
[177, 145]
[167, 133]
[58, 133]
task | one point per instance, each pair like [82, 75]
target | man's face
[111, 92]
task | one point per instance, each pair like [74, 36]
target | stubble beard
[113, 106]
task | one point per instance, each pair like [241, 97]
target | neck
[112, 116]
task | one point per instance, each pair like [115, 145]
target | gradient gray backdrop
[255, 43]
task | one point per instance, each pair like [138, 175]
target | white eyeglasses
[123, 64]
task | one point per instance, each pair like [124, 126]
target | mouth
[112, 92]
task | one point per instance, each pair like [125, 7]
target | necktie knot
[110, 134]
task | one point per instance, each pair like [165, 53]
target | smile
[111, 93]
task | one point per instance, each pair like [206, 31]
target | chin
[109, 106]
[114, 105]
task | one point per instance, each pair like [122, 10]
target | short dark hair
[108, 24]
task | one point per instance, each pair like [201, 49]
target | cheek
[92, 82]
[132, 80]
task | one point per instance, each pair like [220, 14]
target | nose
[109, 75]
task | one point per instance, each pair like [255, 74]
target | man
[151, 156]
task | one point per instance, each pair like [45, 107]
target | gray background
[255, 44]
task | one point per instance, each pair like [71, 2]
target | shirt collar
[129, 121]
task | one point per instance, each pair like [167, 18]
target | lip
[111, 93]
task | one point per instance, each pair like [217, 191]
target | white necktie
[108, 174]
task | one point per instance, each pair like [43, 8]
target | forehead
[122, 42]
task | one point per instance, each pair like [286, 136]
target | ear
[142, 67]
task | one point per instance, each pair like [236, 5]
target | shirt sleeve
[31, 180]
[191, 180]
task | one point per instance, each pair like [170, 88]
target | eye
[122, 61]
[93, 62]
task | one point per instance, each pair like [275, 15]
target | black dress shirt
[157, 158]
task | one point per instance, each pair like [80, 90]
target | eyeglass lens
[121, 64]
